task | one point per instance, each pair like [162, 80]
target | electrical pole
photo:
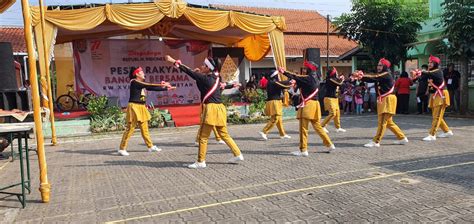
[327, 44]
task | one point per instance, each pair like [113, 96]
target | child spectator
[359, 100]
[348, 96]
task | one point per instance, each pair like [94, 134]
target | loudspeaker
[313, 54]
[7, 67]
[15, 99]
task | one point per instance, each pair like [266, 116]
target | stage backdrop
[102, 67]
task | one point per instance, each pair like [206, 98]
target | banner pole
[48, 77]
[44, 184]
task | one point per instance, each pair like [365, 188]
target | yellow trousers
[438, 120]
[129, 131]
[385, 121]
[205, 132]
[275, 119]
[218, 137]
[334, 113]
[304, 123]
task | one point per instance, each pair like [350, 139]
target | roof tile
[15, 36]
[305, 29]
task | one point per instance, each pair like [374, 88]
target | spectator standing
[252, 83]
[372, 97]
[402, 85]
[348, 97]
[358, 98]
[451, 78]
[422, 94]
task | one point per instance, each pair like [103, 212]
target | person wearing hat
[274, 105]
[331, 100]
[137, 113]
[308, 109]
[439, 98]
[214, 113]
[386, 102]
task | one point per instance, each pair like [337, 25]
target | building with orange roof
[305, 29]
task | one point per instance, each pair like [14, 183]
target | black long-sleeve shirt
[274, 89]
[436, 76]
[137, 93]
[204, 83]
[422, 86]
[308, 84]
[332, 85]
[383, 81]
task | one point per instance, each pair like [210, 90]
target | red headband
[139, 69]
[385, 62]
[310, 66]
[333, 72]
[435, 59]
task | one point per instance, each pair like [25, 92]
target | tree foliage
[384, 27]
[457, 20]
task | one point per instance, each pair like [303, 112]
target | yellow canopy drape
[50, 36]
[277, 42]
[145, 15]
[255, 46]
[261, 30]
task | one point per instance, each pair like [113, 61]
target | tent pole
[48, 76]
[44, 185]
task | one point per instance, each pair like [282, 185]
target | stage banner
[102, 68]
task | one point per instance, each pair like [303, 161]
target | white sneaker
[264, 136]
[325, 130]
[236, 159]
[331, 147]
[446, 134]
[372, 144]
[154, 149]
[299, 153]
[403, 141]
[219, 142]
[340, 130]
[430, 138]
[123, 153]
[285, 137]
[197, 165]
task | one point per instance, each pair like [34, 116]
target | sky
[13, 17]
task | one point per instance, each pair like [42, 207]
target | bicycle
[67, 102]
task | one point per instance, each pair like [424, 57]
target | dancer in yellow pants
[214, 130]
[274, 105]
[439, 98]
[309, 110]
[137, 113]
[386, 102]
[214, 113]
[331, 100]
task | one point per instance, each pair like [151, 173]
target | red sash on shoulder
[439, 89]
[381, 96]
[211, 91]
[304, 100]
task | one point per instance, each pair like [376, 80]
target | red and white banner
[102, 67]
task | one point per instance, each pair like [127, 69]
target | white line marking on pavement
[292, 191]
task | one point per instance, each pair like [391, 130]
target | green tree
[383, 27]
[458, 21]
